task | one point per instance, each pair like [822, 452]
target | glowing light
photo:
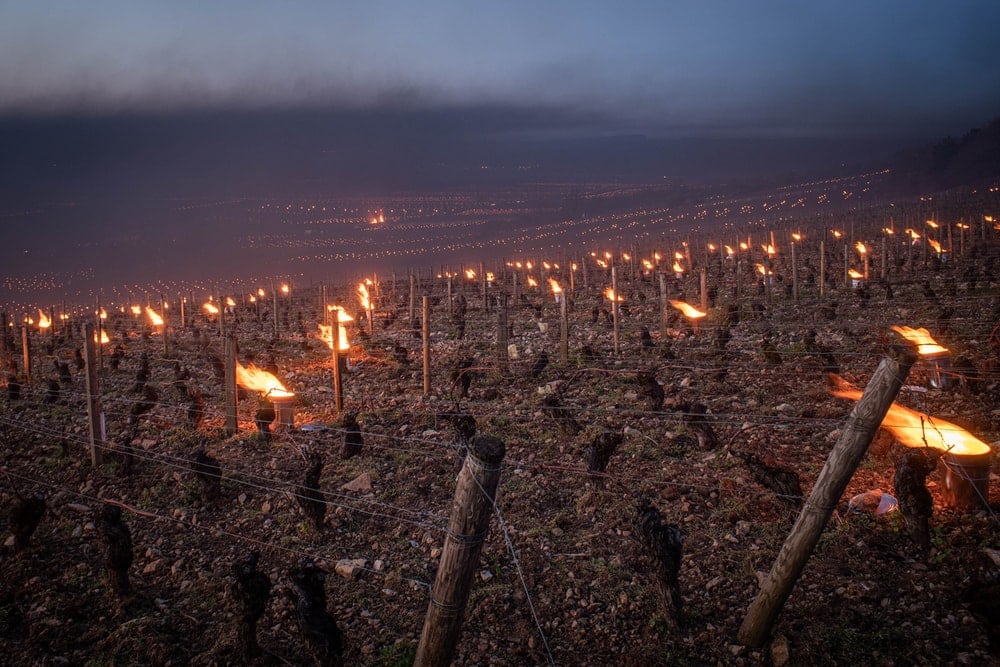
[913, 234]
[729, 250]
[609, 294]
[926, 345]
[860, 247]
[260, 292]
[43, 320]
[154, 317]
[712, 247]
[260, 380]
[601, 263]
[678, 268]
[470, 274]
[230, 302]
[796, 236]
[855, 275]
[657, 256]
[363, 297]
[932, 224]
[103, 314]
[768, 248]
[285, 288]
[836, 233]
[326, 332]
[648, 265]
[889, 231]
[554, 286]
[532, 282]
[744, 247]
[626, 257]
[688, 310]
[917, 429]
[490, 277]
[104, 337]
[136, 310]
[210, 308]
[935, 245]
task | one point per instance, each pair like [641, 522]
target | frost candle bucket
[284, 409]
[966, 480]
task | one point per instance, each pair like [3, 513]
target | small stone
[379, 565]
[78, 508]
[779, 651]
[349, 567]
[485, 575]
[735, 649]
[242, 498]
[266, 507]
[152, 567]
[9, 542]
[435, 552]
[362, 484]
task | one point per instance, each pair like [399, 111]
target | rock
[152, 567]
[266, 507]
[435, 552]
[76, 507]
[349, 567]
[362, 484]
[379, 565]
[9, 542]
[485, 575]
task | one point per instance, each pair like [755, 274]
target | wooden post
[230, 377]
[95, 418]
[840, 465]
[847, 268]
[563, 329]
[183, 323]
[822, 268]
[26, 352]
[704, 289]
[449, 297]
[884, 268]
[413, 299]
[502, 357]
[338, 383]
[614, 311]
[468, 526]
[274, 294]
[663, 304]
[425, 314]
[795, 275]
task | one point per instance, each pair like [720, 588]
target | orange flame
[285, 288]
[729, 250]
[855, 275]
[913, 233]
[364, 297]
[261, 292]
[889, 230]
[103, 314]
[104, 337]
[836, 233]
[934, 244]
[210, 308]
[43, 320]
[768, 248]
[326, 332]
[546, 266]
[712, 247]
[860, 247]
[678, 268]
[916, 429]
[926, 345]
[260, 380]
[932, 224]
[796, 236]
[610, 296]
[678, 255]
[626, 257]
[743, 246]
[470, 274]
[657, 256]
[136, 310]
[554, 284]
[490, 277]
[688, 310]
[761, 269]
[648, 265]
[532, 282]
[230, 302]
[601, 263]
[154, 317]
[529, 266]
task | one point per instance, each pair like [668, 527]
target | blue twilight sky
[754, 67]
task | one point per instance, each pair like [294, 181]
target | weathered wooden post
[425, 314]
[840, 465]
[502, 355]
[795, 276]
[230, 378]
[95, 418]
[468, 526]
[412, 311]
[704, 289]
[664, 317]
[847, 268]
[449, 297]
[274, 294]
[338, 383]
[563, 328]
[822, 268]
[884, 258]
[614, 311]
[26, 352]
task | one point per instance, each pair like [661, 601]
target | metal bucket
[966, 481]
[284, 408]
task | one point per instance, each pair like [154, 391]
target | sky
[661, 67]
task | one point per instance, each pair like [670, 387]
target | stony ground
[564, 574]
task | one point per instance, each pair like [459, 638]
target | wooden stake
[563, 329]
[843, 460]
[95, 418]
[614, 311]
[663, 304]
[230, 378]
[338, 383]
[467, 528]
[704, 289]
[425, 314]
[502, 357]
[795, 275]
[26, 352]
[274, 293]
[413, 299]
[822, 268]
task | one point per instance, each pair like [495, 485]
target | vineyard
[631, 425]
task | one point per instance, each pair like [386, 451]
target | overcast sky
[795, 67]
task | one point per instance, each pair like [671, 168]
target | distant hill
[970, 159]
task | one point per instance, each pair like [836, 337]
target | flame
[913, 233]
[572, 266]
[260, 380]
[532, 282]
[43, 320]
[678, 268]
[657, 256]
[103, 314]
[518, 265]
[601, 263]
[688, 310]
[678, 255]
[889, 230]
[610, 296]
[154, 317]
[626, 257]
[712, 247]
[261, 292]
[470, 274]
[546, 266]
[926, 345]
[743, 246]
[860, 247]
[836, 233]
[934, 244]
[285, 288]
[648, 265]
[104, 337]
[230, 302]
[136, 310]
[490, 277]
[554, 284]
[210, 308]
[855, 275]
[252, 299]
[768, 248]
[915, 429]
[729, 250]
[529, 266]
[326, 332]
[607, 255]
[961, 225]
[761, 269]
[364, 297]
[796, 236]
[932, 224]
